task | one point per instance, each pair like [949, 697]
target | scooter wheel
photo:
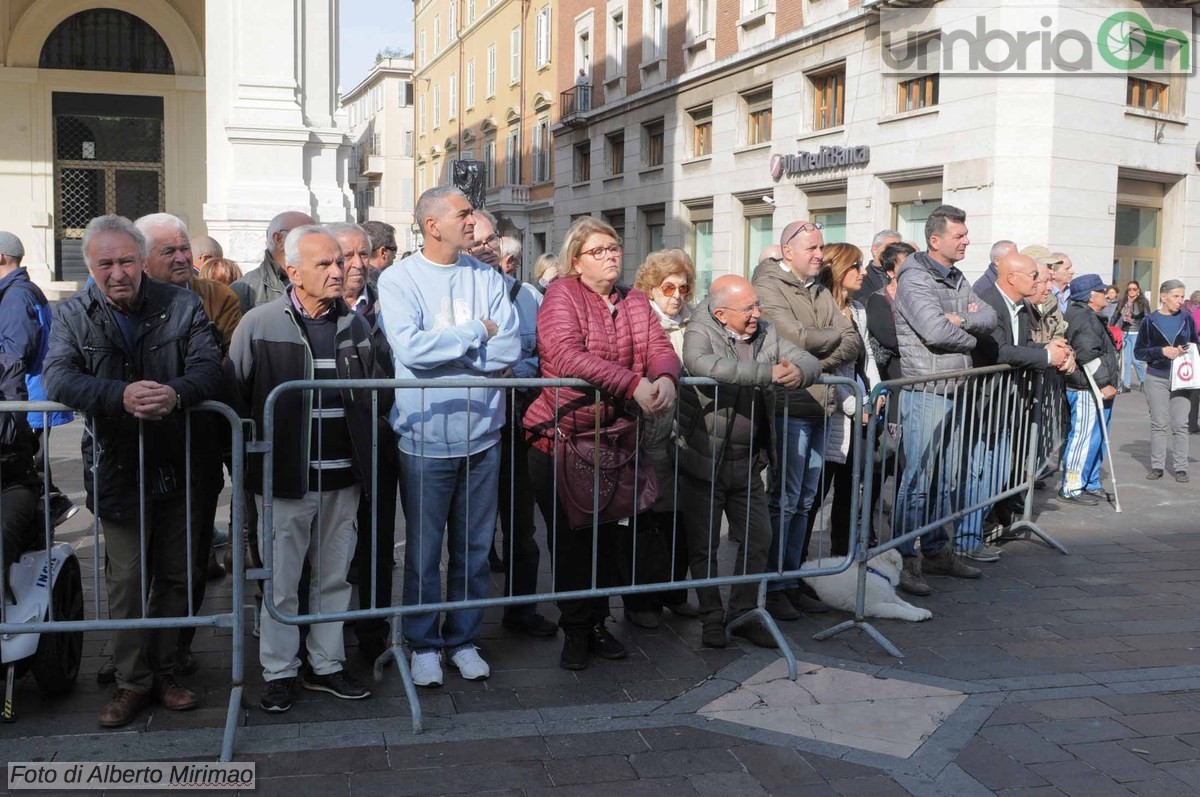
[56, 662]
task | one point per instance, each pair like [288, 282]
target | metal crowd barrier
[843, 390]
[948, 448]
[84, 616]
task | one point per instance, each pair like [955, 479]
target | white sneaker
[470, 664]
[427, 668]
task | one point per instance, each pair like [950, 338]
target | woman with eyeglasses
[590, 328]
[669, 279]
[842, 275]
[1131, 309]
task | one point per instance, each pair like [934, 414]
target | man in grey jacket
[805, 313]
[938, 317]
[725, 442]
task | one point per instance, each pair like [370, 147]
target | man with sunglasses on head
[806, 314]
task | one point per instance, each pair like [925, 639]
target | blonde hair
[582, 229]
[220, 269]
[836, 263]
[662, 264]
[543, 263]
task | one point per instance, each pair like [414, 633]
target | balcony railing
[575, 102]
[511, 195]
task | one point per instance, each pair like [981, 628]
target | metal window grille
[106, 40]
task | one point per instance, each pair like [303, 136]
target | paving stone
[1081, 731]
[993, 768]
[498, 700]
[776, 768]
[1162, 786]
[1024, 744]
[592, 744]
[314, 762]
[445, 754]
[1013, 714]
[594, 769]
[837, 769]
[1159, 749]
[1141, 704]
[1077, 779]
[1171, 723]
[1036, 791]
[1186, 771]
[1114, 760]
[877, 786]
[464, 779]
[571, 695]
[649, 787]
[685, 738]
[664, 763]
[302, 786]
[724, 784]
[1072, 708]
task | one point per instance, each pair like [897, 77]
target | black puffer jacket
[89, 365]
[708, 414]
[1089, 337]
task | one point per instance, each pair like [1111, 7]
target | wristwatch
[178, 401]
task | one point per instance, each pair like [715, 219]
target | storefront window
[834, 222]
[910, 220]
[759, 235]
[1136, 226]
[702, 256]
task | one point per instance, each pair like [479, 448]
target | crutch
[1089, 369]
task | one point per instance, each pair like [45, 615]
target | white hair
[291, 244]
[111, 223]
[1000, 249]
[156, 221]
[510, 247]
[882, 236]
[345, 227]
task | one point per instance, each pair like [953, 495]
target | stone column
[275, 139]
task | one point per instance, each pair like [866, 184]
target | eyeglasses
[669, 289]
[745, 310]
[600, 251]
[808, 225]
[491, 240]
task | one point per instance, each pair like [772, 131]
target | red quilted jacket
[579, 338]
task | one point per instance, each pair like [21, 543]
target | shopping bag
[1185, 369]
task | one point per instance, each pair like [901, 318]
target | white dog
[883, 575]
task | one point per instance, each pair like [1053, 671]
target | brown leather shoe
[173, 696]
[124, 706]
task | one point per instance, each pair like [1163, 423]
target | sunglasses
[808, 225]
[669, 289]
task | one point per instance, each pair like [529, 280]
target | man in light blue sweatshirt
[447, 316]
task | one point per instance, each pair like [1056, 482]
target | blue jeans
[1129, 361]
[455, 495]
[799, 452]
[988, 468]
[932, 448]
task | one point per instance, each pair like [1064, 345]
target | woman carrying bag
[591, 329]
[1163, 337]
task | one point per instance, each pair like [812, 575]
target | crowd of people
[166, 322]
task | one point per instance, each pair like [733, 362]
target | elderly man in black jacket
[1096, 351]
[726, 441]
[132, 354]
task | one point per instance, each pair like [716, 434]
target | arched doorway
[108, 148]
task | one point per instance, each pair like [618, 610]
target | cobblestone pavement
[1081, 675]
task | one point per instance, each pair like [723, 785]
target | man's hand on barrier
[785, 374]
[1069, 366]
[148, 400]
[1059, 352]
[954, 318]
[491, 328]
[1107, 392]
[664, 394]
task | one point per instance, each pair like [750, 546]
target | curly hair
[662, 264]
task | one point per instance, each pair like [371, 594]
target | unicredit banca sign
[824, 159]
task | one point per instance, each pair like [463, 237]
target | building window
[702, 247]
[701, 131]
[583, 52]
[437, 35]
[542, 150]
[489, 163]
[452, 21]
[512, 154]
[491, 71]
[829, 96]
[655, 46]
[408, 143]
[452, 97]
[421, 114]
[921, 92]
[406, 195]
[406, 93]
[615, 144]
[703, 25]
[653, 227]
[542, 41]
[514, 61]
[616, 45]
[1148, 95]
[421, 49]
[914, 92]
[106, 40]
[437, 106]
[754, 6]
[470, 11]
[471, 83]
[833, 223]
[653, 139]
[583, 162]
[759, 235]
[758, 117]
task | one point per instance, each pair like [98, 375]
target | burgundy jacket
[579, 338]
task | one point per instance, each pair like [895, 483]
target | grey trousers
[1168, 418]
[739, 493]
[141, 654]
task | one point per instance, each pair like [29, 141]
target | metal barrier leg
[1021, 529]
[395, 652]
[860, 621]
[760, 613]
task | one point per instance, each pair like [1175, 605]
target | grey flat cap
[11, 245]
